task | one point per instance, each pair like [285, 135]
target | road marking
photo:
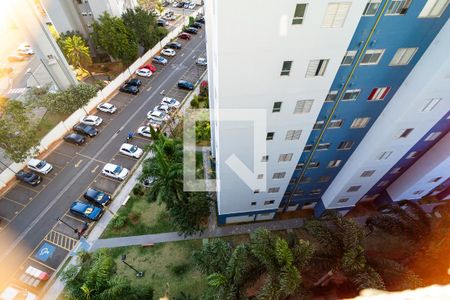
[91, 158]
[162, 92]
[149, 88]
[63, 154]
[61, 240]
[36, 261]
[95, 169]
[26, 187]
[78, 163]
[72, 217]
[111, 179]
[17, 91]
[11, 200]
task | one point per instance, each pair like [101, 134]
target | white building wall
[63, 15]
[429, 79]
[247, 44]
[432, 169]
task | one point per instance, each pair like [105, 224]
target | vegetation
[77, 52]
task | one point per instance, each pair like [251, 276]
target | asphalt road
[78, 168]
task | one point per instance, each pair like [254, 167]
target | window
[367, 173]
[398, 7]
[314, 164]
[383, 183]
[323, 146]
[276, 106]
[370, 197]
[305, 179]
[303, 106]
[336, 14]
[308, 147]
[260, 176]
[299, 14]
[318, 125]
[334, 163]
[418, 192]
[384, 155]
[348, 58]
[285, 157]
[256, 192]
[293, 135]
[372, 57]
[300, 165]
[403, 56]
[335, 123]
[396, 170]
[406, 132]
[372, 8]
[431, 104]
[353, 188]
[253, 203]
[317, 67]
[331, 97]
[432, 136]
[274, 190]
[345, 145]
[343, 200]
[315, 192]
[286, 69]
[351, 95]
[413, 154]
[436, 179]
[378, 93]
[360, 122]
[265, 158]
[269, 202]
[269, 136]
[324, 178]
[279, 175]
[433, 9]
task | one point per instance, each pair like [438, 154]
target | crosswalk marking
[61, 240]
[17, 91]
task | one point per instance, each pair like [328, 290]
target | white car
[172, 102]
[201, 61]
[25, 49]
[115, 171]
[107, 107]
[156, 125]
[144, 131]
[40, 166]
[12, 293]
[91, 120]
[168, 52]
[131, 150]
[191, 5]
[163, 107]
[157, 115]
[175, 4]
[144, 72]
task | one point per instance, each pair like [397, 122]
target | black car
[28, 177]
[200, 20]
[191, 30]
[174, 45]
[130, 89]
[85, 129]
[161, 22]
[197, 25]
[135, 81]
[180, 4]
[186, 85]
[74, 138]
[97, 197]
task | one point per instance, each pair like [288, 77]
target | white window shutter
[341, 14]
[330, 14]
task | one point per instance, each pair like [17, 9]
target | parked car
[186, 5]
[201, 61]
[191, 30]
[97, 197]
[129, 89]
[165, 3]
[191, 5]
[171, 102]
[180, 5]
[184, 36]
[197, 25]
[107, 107]
[85, 129]
[186, 85]
[16, 293]
[131, 150]
[161, 22]
[144, 72]
[163, 107]
[25, 48]
[200, 20]
[115, 171]
[155, 124]
[16, 57]
[174, 45]
[144, 131]
[175, 4]
[157, 115]
[28, 177]
[40, 166]
[149, 67]
[75, 138]
[159, 60]
[86, 210]
[134, 81]
[91, 120]
[168, 52]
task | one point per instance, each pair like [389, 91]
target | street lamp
[138, 274]
[76, 230]
[34, 77]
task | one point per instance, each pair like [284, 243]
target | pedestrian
[130, 136]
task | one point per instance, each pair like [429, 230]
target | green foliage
[183, 296]
[194, 103]
[180, 269]
[144, 26]
[191, 20]
[189, 215]
[68, 34]
[213, 256]
[202, 131]
[76, 51]
[113, 36]
[118, 222]
[138, 190]
[18, 132]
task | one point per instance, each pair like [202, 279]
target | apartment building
[323, 75]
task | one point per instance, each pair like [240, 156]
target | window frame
[352, 55]
[345, 145]
[335, 163]
[338, 16]
[285, 157]
[279, 175]
[401, 54]
[372, 52]
[400, 10]
[367, 173]
[356, 121]
[319, 69]
[270, 135]
[286, 68]
[336, 123]
[275, 107]
[368, 6]
[299, 18]
[354, 188]
[433, 6]
[303, 106]
[331, 95]
[379, 93]
[293, 134]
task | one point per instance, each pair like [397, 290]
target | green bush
[118, 222]
[138, 190]
[181, 269]
[194, 103]
[191, 21]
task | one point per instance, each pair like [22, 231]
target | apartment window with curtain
[360, 122]
[335, 124]
[433, 8]
[317, 67]
[384, 155]
[293, 135]
[303, 106]
[432, 136]
[277, 106]
[345, 145]
[313, 165]
[286, 68]
[274, 190]
[403, 56]
[323, 146]
[372, 57]
[398, 7]
[378, 93]
[336, 14]
[351, 95]
[279, 175]
[334, 163]
[308, 147]
[285, 157]
[318, 125]
[299, 14]
[348, 58]
[372, 8]
[367, 173]
[431, 104]
[331, 97]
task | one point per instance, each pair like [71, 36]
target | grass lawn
[48, 122]
[164, 265]
[142, 218]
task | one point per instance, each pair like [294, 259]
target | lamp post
[75, 230]
[138, 273]
[34, 77]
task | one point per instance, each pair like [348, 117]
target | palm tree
[159, 7]
[77, 52]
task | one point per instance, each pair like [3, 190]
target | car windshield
[28, 175]
[41, 164]
[118, 169]
[133, 149]
[99, 196]
[172, 101]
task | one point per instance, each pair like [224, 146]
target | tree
[113, 36]
[18, 132]
[147, 4]
[213, 256]
[143, 24]
[159, 7]
[190, 215]
[77, 52]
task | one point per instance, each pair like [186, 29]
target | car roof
[126, 146]
[78, 205]
[106, 104]
[34, 161]
[91, 117]
[91, 191]
[157, 112]
[110, 167]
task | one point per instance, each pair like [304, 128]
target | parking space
[69, 220]
[66, 149]
[31, 281]
[124, 161]
[62, 240]
[3, 223]
[106, 184]
[48, 254]
[53, 173]
[58, 159]
[140, 141]
[121, 100]
[37, 188]
[21, 194]
[9, 209]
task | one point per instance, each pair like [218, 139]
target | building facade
[326, 74]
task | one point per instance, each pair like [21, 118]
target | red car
[149, 67]
[185, 36]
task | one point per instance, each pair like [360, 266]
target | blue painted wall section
[390, 32]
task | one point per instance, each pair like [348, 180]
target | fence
[108, 91]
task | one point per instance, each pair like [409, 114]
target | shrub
[191, 21]
[181, 269]
[134, 217]
[194, 103]
[118, 222]
[138, 190]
